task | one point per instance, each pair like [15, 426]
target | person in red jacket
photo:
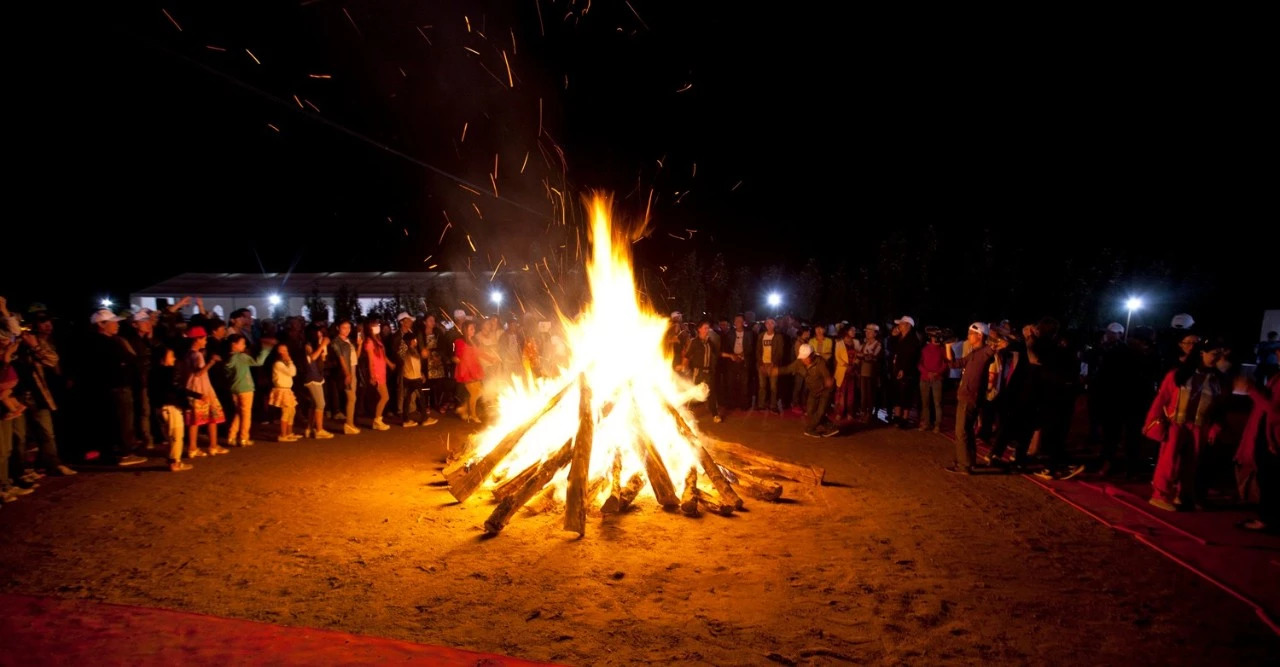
[1258, 456]
[1190, 406]
[933, 367]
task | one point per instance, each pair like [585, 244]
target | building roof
[366, 284]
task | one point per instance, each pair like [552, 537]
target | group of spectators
[1016, 392]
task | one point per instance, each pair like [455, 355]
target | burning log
[547, 470]
[575, 507]
[656, 471]
[704, 457]
[692, 494]
[740, 457]
[761, 489]
[617, 504]
[714, 507]
[513, 484]
[464, 482]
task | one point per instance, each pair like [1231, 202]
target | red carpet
[1245, 565]
[45, 631]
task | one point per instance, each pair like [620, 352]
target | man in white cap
[109, 368]
[904, 348]
[811, 370]
[138, 336]
[970, 394]
[1182, 321]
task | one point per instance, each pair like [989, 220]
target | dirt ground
[894, 561]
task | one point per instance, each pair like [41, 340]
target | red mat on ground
[1245, 565]
[39, 630]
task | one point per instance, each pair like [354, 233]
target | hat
[980, 327]
[804, 351]
[676, 313]
[932, 331]
[142, 315]
[907, 319]
[1182, 321]
[1115, 328]
[1003, 331]
[403, 316]
[459, 314]
[873, 327]
[196, 332]
[104, 315]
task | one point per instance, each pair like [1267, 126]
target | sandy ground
[893, 561]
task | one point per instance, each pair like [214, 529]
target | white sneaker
[350, 430]
[65, 471]
[378, 425]
[410, 424]
[431, 421]
[323, 435]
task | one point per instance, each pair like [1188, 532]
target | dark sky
[153, 150]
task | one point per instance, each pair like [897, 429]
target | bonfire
[614, 426]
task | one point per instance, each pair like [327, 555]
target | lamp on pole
[774, 301]
[496, 297]
[1131, 304]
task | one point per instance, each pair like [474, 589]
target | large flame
[618, 344]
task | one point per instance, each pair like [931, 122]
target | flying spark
[464, 133]
[353, 23]
[214, 48]
[467, 48]
[295, 99]
[424, 36]
[735, 186]
[687, 86]
[468, 20]
[526, 161]
[320, 76]
[273, 127]
[473, 246]
[171, 19]
[510, 80]
[255, 58]
[633, 11]
[313, 107]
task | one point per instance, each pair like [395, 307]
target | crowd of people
[183, 384]
[1016, 394]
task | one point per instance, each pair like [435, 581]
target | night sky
[816, 132]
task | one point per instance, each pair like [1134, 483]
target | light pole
[1131, 304]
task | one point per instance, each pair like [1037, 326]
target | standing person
[375, 361]
[316, 349]
[282, 373]
[932, 367]
[468, 372]
[207, 409]
[739, 343]
[846, 375]
[1258, 456]
[1189, 408]
[110, 366]
[242, 387]
[699, 359]
[171, 399]
[36, 363]
[770, 356]
[905, 349]
[1268, 357]
[870, 354]
[140, 341]
[810, 369]
[344, 359]
[433, 360]
[412, 401]
[970, 394]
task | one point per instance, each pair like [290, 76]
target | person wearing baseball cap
[110, 367]
[870, 352]
[810, 369]
[904, 347]
[977, 356]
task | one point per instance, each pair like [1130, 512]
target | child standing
[238, 371]
[170, 397]
[282, 373]
[207, 409]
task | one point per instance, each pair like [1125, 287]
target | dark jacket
[781, 349]
[109, 363]
[816, 376]
[701, 357]
[906, 355]
[973, 383]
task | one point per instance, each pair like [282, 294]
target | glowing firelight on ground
[616, 344]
